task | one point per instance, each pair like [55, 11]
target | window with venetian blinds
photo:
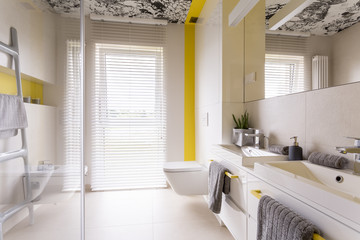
[128, 125]
[287, 65]
[71, 117]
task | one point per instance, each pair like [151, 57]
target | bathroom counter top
[246, 156]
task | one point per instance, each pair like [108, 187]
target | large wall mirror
[308, 45]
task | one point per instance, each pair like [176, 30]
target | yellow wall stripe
[189, 81]
[189, 94]
[195, 10]
[8, 86]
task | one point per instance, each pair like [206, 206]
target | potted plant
[242, 127]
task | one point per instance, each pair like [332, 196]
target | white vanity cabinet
[239, 208]
[233, 210]
[331, 228]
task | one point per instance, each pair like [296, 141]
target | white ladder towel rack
[13, 50]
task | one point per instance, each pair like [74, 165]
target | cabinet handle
[229, 174]
[257, 194]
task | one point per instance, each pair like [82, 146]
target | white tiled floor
[137, 215]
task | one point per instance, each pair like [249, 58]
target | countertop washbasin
[336, 190]
[247, 156]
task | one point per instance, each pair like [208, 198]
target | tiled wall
[320, 118]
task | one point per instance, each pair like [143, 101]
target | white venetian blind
[287, 65]
[71, 117]
[128, 106]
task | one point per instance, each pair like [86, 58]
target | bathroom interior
[104, 82]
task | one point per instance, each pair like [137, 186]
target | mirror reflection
[316, 48]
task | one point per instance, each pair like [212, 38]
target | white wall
[175, 92]
[320, 118]
[37, 39]
[322, 45]
[208, 79]
[346, 55]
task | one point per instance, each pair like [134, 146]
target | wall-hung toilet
[187, 177]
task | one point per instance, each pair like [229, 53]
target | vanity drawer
[234, 218]
[238, 188]
[330, 228]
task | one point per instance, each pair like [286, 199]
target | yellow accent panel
[195, 10]
[189, 81]
[189, 93]
[8, 86]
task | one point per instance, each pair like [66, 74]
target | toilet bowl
[187, 178]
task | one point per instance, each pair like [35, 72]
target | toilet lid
[191, 166]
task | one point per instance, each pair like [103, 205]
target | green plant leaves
[242, 122]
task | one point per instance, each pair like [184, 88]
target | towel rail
[11, 155]
[13, 50]
[228, 174]
[258, 195]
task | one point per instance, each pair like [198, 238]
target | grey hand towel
[218, 183]
[327, 160]
[277, 222]
[280, 149]
[12, 115]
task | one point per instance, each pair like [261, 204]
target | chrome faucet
[259, 138]
[354, 150]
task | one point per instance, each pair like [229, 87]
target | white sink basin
[338, 190]
[247, 156]
[339, 182]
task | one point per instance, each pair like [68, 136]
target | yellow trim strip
[195, 10]
[189, 81]
[257, 194]
[189, 93]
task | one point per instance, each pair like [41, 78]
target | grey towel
[12, 115]
[218, 183]
[328, 160]
[280, 149]
[277, 222]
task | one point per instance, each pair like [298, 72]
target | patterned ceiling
[175, 11]
[322, 17]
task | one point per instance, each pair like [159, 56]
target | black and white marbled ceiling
[322, 17]
[175, 11]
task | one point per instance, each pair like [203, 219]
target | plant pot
[239, 138]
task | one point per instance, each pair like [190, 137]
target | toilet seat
[189, 166]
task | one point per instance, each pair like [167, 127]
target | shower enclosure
[50, 182]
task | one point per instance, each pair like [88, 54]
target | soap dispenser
[295, 151]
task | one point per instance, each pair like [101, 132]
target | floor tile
[138, 214]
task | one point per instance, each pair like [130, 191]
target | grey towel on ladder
[277, 222]
[12, 115]
[218, 183]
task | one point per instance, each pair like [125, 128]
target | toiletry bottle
[295, 151]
